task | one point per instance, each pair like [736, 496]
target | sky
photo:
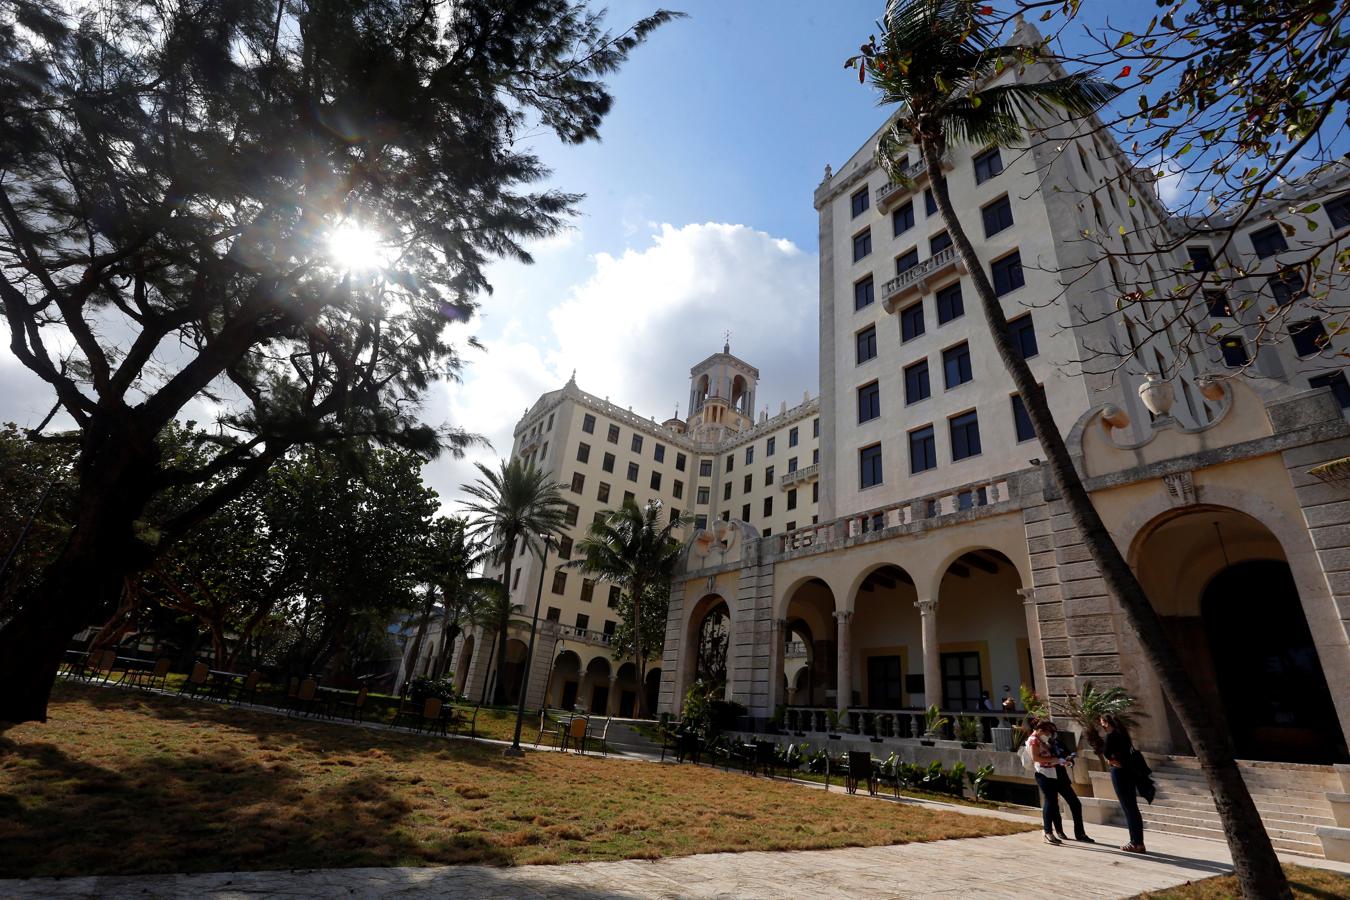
[697, 220]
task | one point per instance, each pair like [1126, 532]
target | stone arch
[808, 615]
[463, 662]
[596, 685]
[784, 598]
[565, 679]
[653, 689]
[513, 668]
[984, 639]
[1014, 555]
[626, 688]
[709, 605]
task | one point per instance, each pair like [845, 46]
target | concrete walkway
[993, 867]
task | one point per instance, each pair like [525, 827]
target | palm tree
[936, 60]
[632, 548]
[513, 504]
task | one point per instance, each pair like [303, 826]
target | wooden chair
[306, 696]
[577, 732]
[197, 680]
[428, 718]
[103, 665]
[146, 679]
[548, 726]
[249, 689]
[356, 705]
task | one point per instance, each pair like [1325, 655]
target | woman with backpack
[1052, 777]
[1128, 777]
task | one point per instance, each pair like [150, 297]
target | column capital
[843, 615]
[926, 606]
[1028, 595]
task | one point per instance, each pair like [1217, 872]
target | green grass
[118, 782]
[1306, 883]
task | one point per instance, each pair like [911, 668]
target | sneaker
[1051, 839]
[1134, 848]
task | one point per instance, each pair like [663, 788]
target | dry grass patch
[118, 783]
[1306, 883]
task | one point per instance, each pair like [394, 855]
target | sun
[354, 248]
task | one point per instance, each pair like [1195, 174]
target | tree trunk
[411, 669]
[640, 705]
[509, 558]
[1257, 868]
[487, 673]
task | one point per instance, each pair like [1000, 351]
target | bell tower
[721, 395]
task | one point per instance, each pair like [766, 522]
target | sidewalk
[992, 867]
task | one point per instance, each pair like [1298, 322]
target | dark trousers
[1123, 781]
[1051, 790]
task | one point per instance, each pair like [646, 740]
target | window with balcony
[902, 218]
[583, 621]
[862, 244]
[1269, 241]
[906, 261]
[1022, 421]
[610, 626]
[869, 402]
[1007, 274]
[583, 453]
[916, 382]
[859, 202]
[553, 614]
[949, 304]
[956, 365]
[588, 423]
[869, 466]
[987, 165]
[911, 322]
[965, 430]
[997, 216]
[864, 293]
[939, 242]
[1023, 333]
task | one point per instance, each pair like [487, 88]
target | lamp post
[515, 748]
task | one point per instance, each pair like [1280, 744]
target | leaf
[1122, 231]
[1125, 73]
[1311, 208]
[1125, 39]
[1130, 201]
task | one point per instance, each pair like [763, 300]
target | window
[656, 481]
[867, 343]
[859, 203]
[629, 497]
[869, 402]
[700, 522]
[911, 322]
[587, 590]
[1219, 307]
[862, 244]
[659, 453]
[1022, 421]
[565, 547]
[815, 495]
[1008, 274]
[570, 517]
[916, 382]
[997, 216]
[749, 483]
[768, 476]
[792, 499]
[677, 489]
[705, 468]
[922, 450]
[1269, 241]
[613, 436]
[632, 471]
[553, 614]
[583, 621]
[929, 202]
[869, 466]
[559, 581]
[515, 580]
[769, 446]
[956, 365]
[1340, 388]
[815, 456]
[588, 423]
[1287, 286]
[815, 428]
[1234, 351]
[549, 426]
[864, 293]
[962, 683]
[749, 454]
[637, 443]
[731, 461]
[1023, 334]
[610, 625]
[679, 462]
[768, 506]
[726, 491]
[987, 165]
[949, 305]
[603, 493]
[1201, 259]
[583, 453]
[792, 463]
[792, 436]
[578, 482]
[614, 594]
[1309, 336]
[965, 430]
[939, 242]
[704, 495]
[902, 219]
[906, 261]
[598, 517]
[1338, 211]
[745, 512]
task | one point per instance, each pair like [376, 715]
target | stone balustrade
[788, 479]
[890, 193]
[585, 635]
[915, 279]
[894, 723]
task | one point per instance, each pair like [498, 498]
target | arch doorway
[653, 689]
[513, 672]
[1222, 586]
[811, 644]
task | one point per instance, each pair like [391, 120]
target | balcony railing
[586, 635]
[895, 723]
[788, 479]
[794, 649]
[889, 194]
[915, 279]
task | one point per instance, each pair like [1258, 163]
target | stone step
[1258, 779]
[1307, 848]
[1282, 830]
[1281, 812]
[1172, 788]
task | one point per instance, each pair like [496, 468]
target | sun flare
[357, 249]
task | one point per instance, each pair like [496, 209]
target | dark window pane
[613, 436]
[1340, 387]
[867, 343]
[916, 382]
[1338, 211]
[997, 216]
[902, 219]
[939, 242]
[922, 450]
[859, 202]
[906, 261]
[1007, 274]
[987, 165]
[1201, 259]
[869, 462]
[1023, 333]
[679, 461]
[1269, 241]
[1219, 307]
[862, 244]
[929, 202]
[911, 322]
[1234, 351]
[949, 305]
[1022, 421]
[956, 365]
[1287, 286]
[965, 435]
[863, 293]
[588, 423]
[1309, 336]
[869, 402]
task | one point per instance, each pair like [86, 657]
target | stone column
[778, 634]
[844, 651]
[1034, 637]
[932, 665]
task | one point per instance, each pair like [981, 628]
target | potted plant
[968, 732]
[979, 781]
[870, 727]
[836, 716]
[1087, 708]
[933, 722]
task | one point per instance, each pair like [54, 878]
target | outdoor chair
[547, 726]
[306, 697]
[428, 718]
[197, 680]
[356, 705]
[766, 757]
[689, 745]
[860, 770]
[146, 679]
[577, 732]
[103, 665]
[249, 689]
[604, 734]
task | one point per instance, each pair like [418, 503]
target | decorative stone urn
[1115, 417]
[1211, 388]
[1156, 394]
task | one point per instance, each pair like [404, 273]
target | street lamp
[515, 748]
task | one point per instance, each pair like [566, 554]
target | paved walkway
[993, 867]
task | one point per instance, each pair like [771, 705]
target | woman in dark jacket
[1119, 753]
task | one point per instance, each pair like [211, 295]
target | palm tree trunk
[487, 673]
[639, 703]
[410, 670]
[508, 558]
[1257, 868]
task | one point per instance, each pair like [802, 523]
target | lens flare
[356, 249]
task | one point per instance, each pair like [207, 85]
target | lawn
[118, 782]
[1307, 884]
